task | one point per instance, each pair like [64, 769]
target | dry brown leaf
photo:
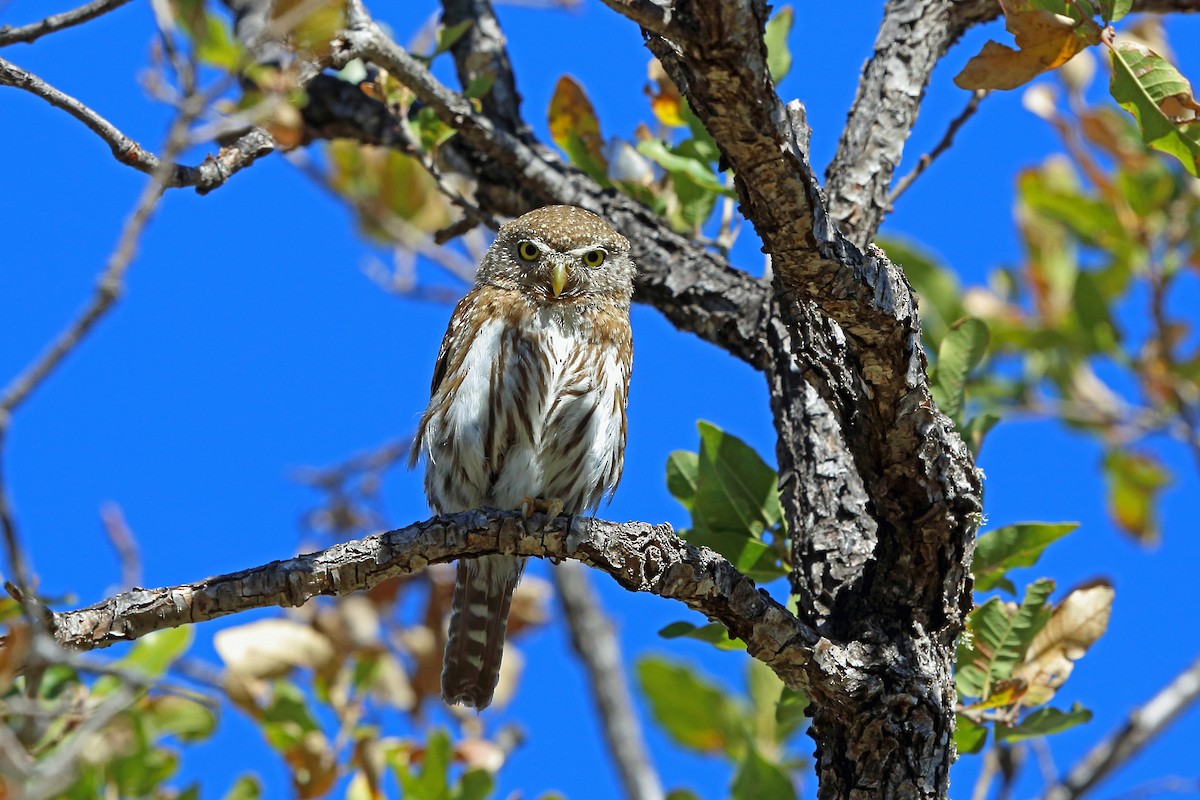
[1044, 40]
[271, 648]
[1074, 626]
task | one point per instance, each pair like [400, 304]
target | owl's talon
[551, 508]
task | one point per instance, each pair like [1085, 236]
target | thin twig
[123, 543]
[594, 640]
[56, 22]
[210, 174]
[941, 147]
[1138, 729]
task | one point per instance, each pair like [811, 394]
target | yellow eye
[593, 258]
[527, 250]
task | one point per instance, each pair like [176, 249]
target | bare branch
[941, 147]
[56, 22]
[1139, 728]
[640, 557]
[594, 640]
[213, 172]
[912, 38]
[123, 543]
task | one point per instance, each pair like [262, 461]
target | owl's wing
[458, 321]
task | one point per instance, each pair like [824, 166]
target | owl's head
[559, 254]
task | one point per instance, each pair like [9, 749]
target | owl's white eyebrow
[578, 251]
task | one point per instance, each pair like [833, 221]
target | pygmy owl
[527, 404]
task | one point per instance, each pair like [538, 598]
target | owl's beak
[558, 278]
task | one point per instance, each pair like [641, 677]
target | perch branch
[640, 557]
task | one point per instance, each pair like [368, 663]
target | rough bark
[640, 557]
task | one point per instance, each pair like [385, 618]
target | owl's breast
[530, 412]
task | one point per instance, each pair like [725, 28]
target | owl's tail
[483, 594]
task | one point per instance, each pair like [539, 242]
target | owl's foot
[551, 508]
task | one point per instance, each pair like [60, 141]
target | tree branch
[640, 557]
[942, 146]
[594, 640]
[912, 38]
[695, 289]
[56, 22]
[213, 172]
[1141, 726]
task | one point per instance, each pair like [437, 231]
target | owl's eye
[527, 250]
[594, 258]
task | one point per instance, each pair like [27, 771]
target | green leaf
[969, 736]
[1152, 90]
[1043, 722]
[791, 712]
[693, 169]
[759, 779]
[153, 654]
[448, 35]
[754, 559]
[938, 290]
[714, 633]
[475, 784]
[682, 794]
[683, 467]
[431, 782]
[1135, 481]
[736, 491]
[694, 712]
[246, 787]
[976, 429]
[1011, 547]
[998, 638]
[186, 719]
[962, 349]
[1113, 10]
[779, 57]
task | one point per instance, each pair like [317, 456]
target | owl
[527, 408]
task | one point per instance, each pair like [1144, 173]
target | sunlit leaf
[683, 467]
[575, 129]
[969, 736]
[714, 633]
[1044, 40]
[1013, 546]
[1043, 722]
[999, 635]
[1074, 626]
[1135, 481]
[1160, 99]
[246, 787]
[962, 349]
[779, 57]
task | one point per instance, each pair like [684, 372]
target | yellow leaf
[573, 124]
[1074, 626]
[1045, 40]
[665, 100]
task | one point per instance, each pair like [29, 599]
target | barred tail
[483, 594]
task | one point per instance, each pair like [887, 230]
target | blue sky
[250, 343]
